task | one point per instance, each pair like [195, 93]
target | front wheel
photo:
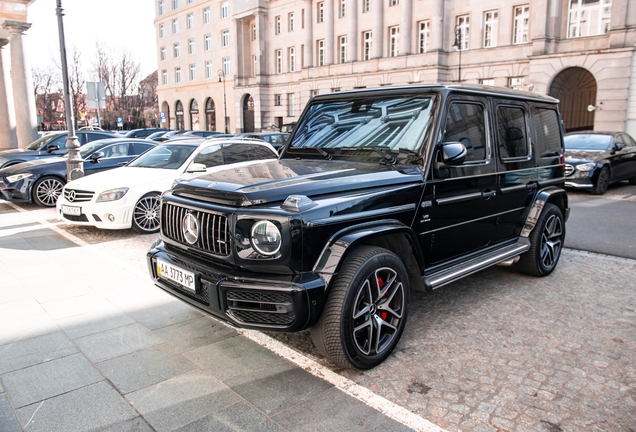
[146, 214]
[366, 311]
[47, 190]
[602, 182]
[546, 243]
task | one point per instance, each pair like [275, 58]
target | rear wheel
[146, 214]
[366, 311]
[546, 243]
[47, 190]
[602, 182]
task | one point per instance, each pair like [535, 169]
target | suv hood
[274, 181]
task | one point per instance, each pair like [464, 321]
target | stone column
[23, 95]
[8, 138]
[329, 32]
[352, 15]
[406, 28]
[261, 43]
[309, 34]
[437, 26]
[377, 40]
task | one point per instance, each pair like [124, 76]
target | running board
[458, 271]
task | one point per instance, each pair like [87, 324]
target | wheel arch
[57, 176]
[391, 234]
[551, 194]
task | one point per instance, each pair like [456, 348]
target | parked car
[170, 134]
[52, 144]
[594, 160]
[41, 181]
[378, 192]
[205, 134]
[143, 133]
[276, 139]
[158, 134]
[129, 196]
[288, 127]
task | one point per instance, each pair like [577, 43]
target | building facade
[18, 119]
[249, 65]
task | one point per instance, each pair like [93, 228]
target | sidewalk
[88, 343]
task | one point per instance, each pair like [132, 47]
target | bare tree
[47, 86]
[77, 84]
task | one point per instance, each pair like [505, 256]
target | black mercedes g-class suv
[376, 193]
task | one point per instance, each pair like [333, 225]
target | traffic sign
[60, 121]
[162, 116]
[120, 122]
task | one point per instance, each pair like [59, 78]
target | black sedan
[41, 181]
[596, 159]
[52, 144]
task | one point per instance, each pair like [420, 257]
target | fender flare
[335, 249]
[541, 198]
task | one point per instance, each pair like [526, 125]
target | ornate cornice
[16, 27]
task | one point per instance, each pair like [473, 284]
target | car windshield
[390, 123]
[587, 142]
[41, 142]
[170, 156]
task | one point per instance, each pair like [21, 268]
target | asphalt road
[603, 224]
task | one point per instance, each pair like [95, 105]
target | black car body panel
[116, 152]
[368, 168]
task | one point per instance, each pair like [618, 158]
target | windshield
[391, 123]
[40, 142]
[166, 156]
[587, 142]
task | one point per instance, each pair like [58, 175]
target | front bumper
[97, 214]
[248, 300]
[19, 191]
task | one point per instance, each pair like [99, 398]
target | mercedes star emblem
[71, 196]
[190, 228]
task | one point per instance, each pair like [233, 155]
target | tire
[366, 311]
[47, 190]
[546, 243]
[632, 180]
[145, 218]
[602, 182]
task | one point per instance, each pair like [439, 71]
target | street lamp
[221, 74]
[74, 163]
[458, 44]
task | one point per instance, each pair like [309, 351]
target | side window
[465, 123]
[547, 133]
[262, 152]
[93, 137]
[115, 150]
[511, 132]
[237, 153]
[139, 148]
[629, 142]
[210, 157]
[59, 141]
[618, 139]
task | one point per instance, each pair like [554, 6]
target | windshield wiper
[318, 149]
[387, 157]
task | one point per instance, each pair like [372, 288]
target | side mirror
[95, 157]
[453, 153]
[52, 147]
[618, 147]
[196, 167]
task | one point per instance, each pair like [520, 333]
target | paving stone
[8, 422]
[91, 408]
[45, 380]
[93, 322]
[36, 350]
[195, 333]
[238, 417]
[335, 411]
[26, 328]
[145, 367]
[135, 425]
[277, 387]
[181, 400]
[117, 342]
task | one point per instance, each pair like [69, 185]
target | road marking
[363, 394]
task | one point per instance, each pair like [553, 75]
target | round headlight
[265, 238]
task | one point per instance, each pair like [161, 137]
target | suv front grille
[569, 169]
[75, 195]
[213, 233]
[260, 308]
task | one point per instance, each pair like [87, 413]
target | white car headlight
[265, 238]
[18, 177]
[112, 195]
[586, 167]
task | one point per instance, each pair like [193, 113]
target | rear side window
[139, 148]
[465, 124]
[210, 156]
[511, 132]
[262, 152]
[547, 132]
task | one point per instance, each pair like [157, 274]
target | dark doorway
[248, 114]
[575, 88]
[178, 114]
[210, 115]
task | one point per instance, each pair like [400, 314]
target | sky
[116, 24]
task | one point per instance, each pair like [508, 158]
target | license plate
[72, 211]
[176, 274]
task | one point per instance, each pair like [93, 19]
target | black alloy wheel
[366, 311]
[602, 182]
[47, 190]
[146, 214]
[546, 243]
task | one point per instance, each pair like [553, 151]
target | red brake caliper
[383, 314]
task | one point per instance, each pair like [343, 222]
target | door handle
[488, 194]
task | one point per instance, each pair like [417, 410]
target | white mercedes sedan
[128, 197]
